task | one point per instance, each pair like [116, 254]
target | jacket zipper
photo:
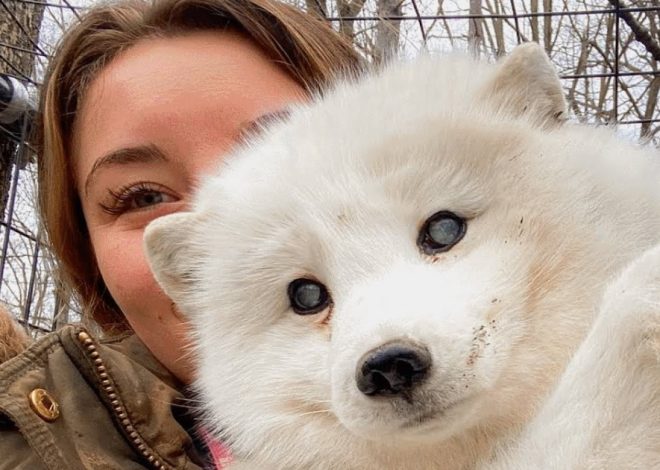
[117, 406]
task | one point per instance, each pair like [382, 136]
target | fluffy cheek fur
[286, 364]
[467, 314]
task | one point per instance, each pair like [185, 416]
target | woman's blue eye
[307, 296]
[440, 232]
[136, 197]
[148, 198]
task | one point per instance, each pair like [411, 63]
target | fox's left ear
[526, 83]
[171, 253]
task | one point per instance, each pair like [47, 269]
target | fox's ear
[526, 83]
[170, 253]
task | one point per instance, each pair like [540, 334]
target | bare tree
[642, 34]
[316, 7]
[388, 30]
[348, 9]
[475, 29]
[547, 27]
[534, 19]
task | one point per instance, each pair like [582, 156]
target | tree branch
[642, 34]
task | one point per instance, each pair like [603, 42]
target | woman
[140, 100]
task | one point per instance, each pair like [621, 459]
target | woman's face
[156, 118]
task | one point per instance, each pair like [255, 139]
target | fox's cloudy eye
[307, 296]
[440, 232]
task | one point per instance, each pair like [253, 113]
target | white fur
[339, 193]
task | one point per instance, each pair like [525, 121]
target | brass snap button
[43, 405]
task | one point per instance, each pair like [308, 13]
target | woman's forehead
[197, 87]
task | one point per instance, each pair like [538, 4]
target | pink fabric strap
[220, 454]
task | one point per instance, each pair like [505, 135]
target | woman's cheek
[124, 269]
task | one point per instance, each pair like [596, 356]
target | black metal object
[17, 110]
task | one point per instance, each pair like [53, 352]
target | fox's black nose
[392, 368]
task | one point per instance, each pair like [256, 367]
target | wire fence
[607, 54]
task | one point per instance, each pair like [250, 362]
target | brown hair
[13, 338]
[303, 45]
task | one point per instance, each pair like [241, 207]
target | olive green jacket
[70, 402]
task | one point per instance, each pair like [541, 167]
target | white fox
[412, 273]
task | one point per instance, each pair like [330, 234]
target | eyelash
[125, 195]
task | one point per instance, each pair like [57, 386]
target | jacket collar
[143, 397]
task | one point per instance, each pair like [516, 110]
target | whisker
[314, 412]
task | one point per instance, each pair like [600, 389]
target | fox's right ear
[526, 83]
[171, 253]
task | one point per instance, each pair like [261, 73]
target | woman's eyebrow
[257, 126]
[137, 154]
